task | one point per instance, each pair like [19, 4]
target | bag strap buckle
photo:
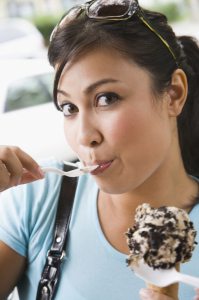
[54, 258]
[50, 276]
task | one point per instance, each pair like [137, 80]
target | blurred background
[28, 117]
[44, 14]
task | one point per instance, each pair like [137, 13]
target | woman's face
[111, 118]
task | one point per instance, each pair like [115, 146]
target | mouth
[102, 166]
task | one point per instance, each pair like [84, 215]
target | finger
[14, 169]
[27, 178]
[4, 177]
[29, 164]
[148, 294]
[16, 160]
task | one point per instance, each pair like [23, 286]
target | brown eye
[106, 99]
[68, 109]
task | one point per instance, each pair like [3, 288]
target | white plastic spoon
[73, 173]
[162, 277]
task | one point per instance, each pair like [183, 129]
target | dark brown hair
[135, 41]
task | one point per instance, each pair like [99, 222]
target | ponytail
[188, 121]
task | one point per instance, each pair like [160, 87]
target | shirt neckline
[113, 251]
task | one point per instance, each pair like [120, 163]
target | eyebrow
[92, 87]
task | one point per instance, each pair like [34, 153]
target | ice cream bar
[161, 236]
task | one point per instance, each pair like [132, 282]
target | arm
[17, 167]
[147, 294]
[12, 265]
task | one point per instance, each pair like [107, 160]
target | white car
[19, 38]
[28, 117]
[24, 82]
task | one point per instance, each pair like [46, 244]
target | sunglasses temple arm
[146, 23]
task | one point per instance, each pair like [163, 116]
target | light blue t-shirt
[92, 268]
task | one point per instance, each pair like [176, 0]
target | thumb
[148, 294]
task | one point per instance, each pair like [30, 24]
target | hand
[197, 294]
[17, 167]
[148, 294]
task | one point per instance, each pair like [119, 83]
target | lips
[102, 166]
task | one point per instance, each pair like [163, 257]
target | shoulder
[29, 209]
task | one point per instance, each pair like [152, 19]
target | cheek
[119, 129]
[137, 132]
[126, 127]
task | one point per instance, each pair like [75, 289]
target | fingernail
[146, 293]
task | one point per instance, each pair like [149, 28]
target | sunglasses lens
[108, 8]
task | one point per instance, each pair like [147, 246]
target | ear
[177, 93]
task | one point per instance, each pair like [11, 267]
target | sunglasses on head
[113, 10]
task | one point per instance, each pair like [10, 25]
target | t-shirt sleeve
[27, 211]
[12, 232]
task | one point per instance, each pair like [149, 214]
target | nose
[88, 133]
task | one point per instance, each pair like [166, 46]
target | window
[28, 92]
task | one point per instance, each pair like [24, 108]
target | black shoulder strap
[50, 275]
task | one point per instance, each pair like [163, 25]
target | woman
[128, 90]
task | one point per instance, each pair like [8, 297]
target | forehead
[98, 64]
